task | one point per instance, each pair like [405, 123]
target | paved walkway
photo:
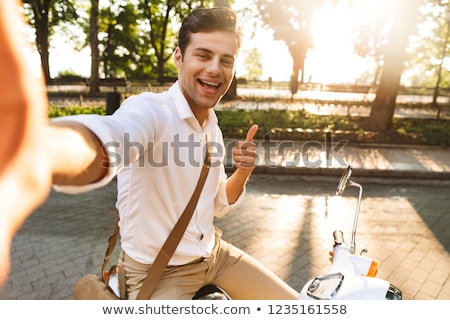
[320, 157]
[286, 221]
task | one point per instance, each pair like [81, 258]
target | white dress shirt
[156, 147]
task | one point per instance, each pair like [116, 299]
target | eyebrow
[206, 50]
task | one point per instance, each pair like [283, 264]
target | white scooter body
[347, 280]
[353, 288]
[352, 277]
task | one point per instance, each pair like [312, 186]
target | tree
[159, 16]
[291, 22]
[370, 35]
[428, 47]
[162, 19]
[95, 55]
[404, 14]
[442, 60]
[434, 61]
[137, 39]
[44, 15]
[120, 41]
[253, 64]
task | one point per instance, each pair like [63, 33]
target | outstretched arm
[25, 177]
[33, 154]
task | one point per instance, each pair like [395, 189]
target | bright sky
[332, 60]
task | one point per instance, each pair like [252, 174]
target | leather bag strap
[109, 251]
[162, 259]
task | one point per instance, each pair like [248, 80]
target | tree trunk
[298, 54]
[94, 86]
[108, 51]
[383, 107]
[160, 66]
[42, 44]
[293, 82]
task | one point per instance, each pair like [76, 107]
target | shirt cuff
[223, 206]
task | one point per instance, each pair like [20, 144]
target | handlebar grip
[338, 236]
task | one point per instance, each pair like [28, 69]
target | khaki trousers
[240, 275]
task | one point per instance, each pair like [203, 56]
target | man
[155, 145]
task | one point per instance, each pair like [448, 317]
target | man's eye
[228, 62]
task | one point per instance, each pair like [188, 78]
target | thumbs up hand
[244, 152]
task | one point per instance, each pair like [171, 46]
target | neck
[202, 117]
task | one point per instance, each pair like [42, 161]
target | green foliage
[52, 12]
[54, 112]
[429, 131]
[430, 46]
[264, 118]
[68, 73]
[137, 38]
[120, 40]
[253, 64]
[271, 118]
[299, 125]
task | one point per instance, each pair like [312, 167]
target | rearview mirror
[344, 180]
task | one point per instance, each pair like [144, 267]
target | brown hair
[209, 19]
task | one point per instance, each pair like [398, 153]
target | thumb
[251, 132]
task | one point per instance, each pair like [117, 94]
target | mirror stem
[355, 223]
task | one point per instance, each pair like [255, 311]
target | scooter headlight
[393, 293]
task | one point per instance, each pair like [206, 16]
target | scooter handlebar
[338, 236]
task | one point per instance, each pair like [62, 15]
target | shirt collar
[183, 108]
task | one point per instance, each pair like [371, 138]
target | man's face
[206, 70]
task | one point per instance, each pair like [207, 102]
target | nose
[213, 67]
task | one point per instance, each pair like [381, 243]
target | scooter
[352, 276]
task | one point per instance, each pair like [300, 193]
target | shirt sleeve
[124, 136]
[222, 206]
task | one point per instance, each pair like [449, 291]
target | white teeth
[210, 83]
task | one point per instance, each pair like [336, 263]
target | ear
[177, 57]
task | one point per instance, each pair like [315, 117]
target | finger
[251, 132]
[247, 151]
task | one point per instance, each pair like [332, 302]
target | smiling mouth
[209, 85]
